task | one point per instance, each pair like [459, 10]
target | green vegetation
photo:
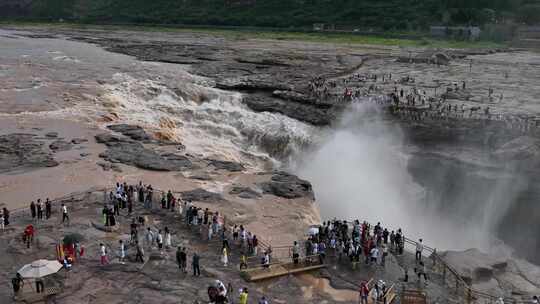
[248, 33]
[383, 22]
[400, 15]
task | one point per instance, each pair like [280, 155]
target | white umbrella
[39, 269]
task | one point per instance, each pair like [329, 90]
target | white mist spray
[359, 171]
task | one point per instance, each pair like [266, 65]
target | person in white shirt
[2, 222]
[149, 238]
[374, 255]
[266, 260]
[122, 252]
[168, 238]
[103, 254]
[65, 216]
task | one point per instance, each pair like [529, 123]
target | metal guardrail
[462, 288]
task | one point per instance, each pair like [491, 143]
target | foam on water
[208, 121]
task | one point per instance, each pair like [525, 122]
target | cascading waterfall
[360, 170]
[215, 125]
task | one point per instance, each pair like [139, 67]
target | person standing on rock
[39, 209]
[2, 223]
[179, 257]
[168, 238]
[295, 253]
[148, 198]
[130, 203]
[116, 207]
[374, 253]
[140, 192]
[195, 264]
[159, 240]
[225, 257]
[384, 255]
[243, 296]
[140, 252]
[421, 271]
[33, 210]
[183, 260]
[255, 244]
[5, 212]
[134, 232]
[149, 238]
[364, 293]
[103, 254]
[419, 249]
[65, 216]
[122, 252]
[169, 199]
[48, 209]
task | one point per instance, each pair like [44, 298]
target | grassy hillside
[381, 14]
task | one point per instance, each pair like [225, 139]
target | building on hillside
[456, 32]
[528, 37]
[318, 27]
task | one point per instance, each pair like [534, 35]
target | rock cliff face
[493, 275]
[482, 170]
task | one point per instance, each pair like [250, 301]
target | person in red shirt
[28, 235]
[364, 292]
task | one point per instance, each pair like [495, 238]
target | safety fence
[454, 281]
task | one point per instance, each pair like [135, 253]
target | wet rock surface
[244, 192]
[226, 165]
[129, 152]
[201, 195]
[23, 151]
[286, 185]
[132, 131]
[60, 145]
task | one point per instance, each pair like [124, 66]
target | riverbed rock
[19, 150]
[60, 145]
[129, 152]
[201, 195]
[51, 134]
[226, 165]
[77, 141]
[244, 192]
[201, 176]
[104, 228]
[260, 82]
[132, 131]
[303, 112]
[286, 185]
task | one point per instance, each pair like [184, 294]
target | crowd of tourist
[209, 225]
[346, 242]
[408, 102]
